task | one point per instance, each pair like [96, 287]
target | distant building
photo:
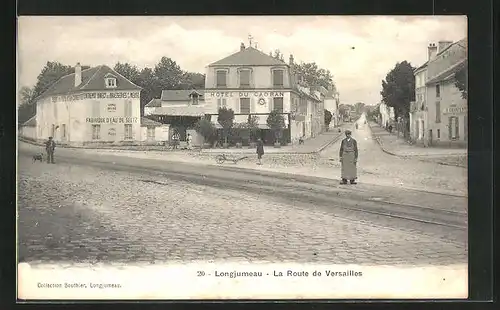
[386, 114]
[332, 105]
[96, 105]
[439, 117]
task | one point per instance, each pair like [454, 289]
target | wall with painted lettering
[451, 104]
[69, 118]
[260, 101]
[260, 76]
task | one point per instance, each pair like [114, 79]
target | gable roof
[421, 67]
[31, 122]
[179, 94]
[154, 103]
[462, 43]
[448, 73]
[249, 57]
[92, 79]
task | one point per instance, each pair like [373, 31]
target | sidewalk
[393, 145]
[310, 146]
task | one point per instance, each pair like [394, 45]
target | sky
[358, 50]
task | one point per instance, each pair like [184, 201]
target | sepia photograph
[242, 157]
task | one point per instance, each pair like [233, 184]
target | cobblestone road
[78, 213]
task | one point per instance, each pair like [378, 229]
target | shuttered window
[221, 78]
[438, 112]
[245, 78]
[278, 78]
[278, 105]
[96, 132]
[128, 131]
[245, 105]
[221, 103]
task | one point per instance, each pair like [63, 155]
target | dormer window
[110, 81]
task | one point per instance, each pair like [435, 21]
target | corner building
[251, 82]
[96, 105]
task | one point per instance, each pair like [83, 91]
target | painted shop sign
[453, 110]
[112, 120]
[242, 94]
[109, 95]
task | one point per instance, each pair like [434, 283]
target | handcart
[222, 158]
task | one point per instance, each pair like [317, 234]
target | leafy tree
[359, 107]
[206, 129]
[398, 89]
[328, 118]
[150, 86]
[169, 74]
[253, 126]
[52, 72]
[226, 120]
[276, 123]
[128, 71]
[26, 95]
[461, 81]
[343, 110]
[192, 80]
[315, 76]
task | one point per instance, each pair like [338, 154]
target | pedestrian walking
[189, 138]
[348, 155]
[260, 150]
[50, 146]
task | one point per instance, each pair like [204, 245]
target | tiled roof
[154, 103]
[249, 57]
[462, 43]
[31, 122]
[184, 110]
[146, 122]
[421, 67]
[179, 95]
[450, 72]
[92, 79]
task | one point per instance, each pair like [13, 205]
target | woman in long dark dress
[348, 155]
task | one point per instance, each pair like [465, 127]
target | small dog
[38, 156]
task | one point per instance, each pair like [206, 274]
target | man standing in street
[260, 150]
[189, 139]
[50, 146]
[348, 158]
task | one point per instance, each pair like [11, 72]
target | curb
[379, 141]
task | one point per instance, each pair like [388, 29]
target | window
[439, 133]
[277, 78]
[453, 126]
[110, 82]
[128, 108]
[245, 105]
[438, 91]
[245, 78]
[438, 112]
[221, 103]
[195, 99]
[128, 131]
[151, 133]
[96, 132]
[278, 104]
[63, 129]
[221, 78]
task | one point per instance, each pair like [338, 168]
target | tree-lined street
[104, 207]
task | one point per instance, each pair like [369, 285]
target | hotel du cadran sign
[246, 94]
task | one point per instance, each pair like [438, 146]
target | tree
[398, 89]
[169, 74]
[359, 107]
[314, 76]
[343, 110]
[128, 71]
[276, 123]
[461, 81]
[253, 126]
[150, 87]
[26, 95]
[226, 120]
[328, 118]
[206, 129]
[193, 80]
[52, 72]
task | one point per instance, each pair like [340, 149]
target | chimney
[78, 74]
[432, 51]
[291, 60]
[242, 46]
[443, 45]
